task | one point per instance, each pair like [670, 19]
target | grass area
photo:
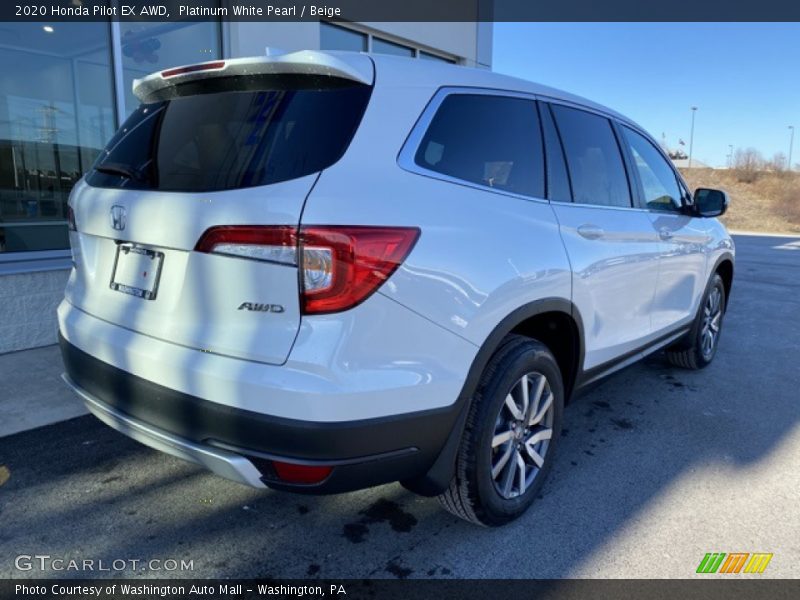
[762, 201]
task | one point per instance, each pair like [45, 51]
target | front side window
[594, 161]
[494, 141]
[659, 185]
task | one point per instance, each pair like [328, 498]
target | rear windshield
[231, 139]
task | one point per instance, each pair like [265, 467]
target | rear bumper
[226, 464]
[239, 444]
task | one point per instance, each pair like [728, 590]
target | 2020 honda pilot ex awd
[320, 272]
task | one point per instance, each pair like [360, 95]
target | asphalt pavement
[657, 467]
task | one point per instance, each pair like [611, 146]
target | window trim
[545, 106]
[405, 158]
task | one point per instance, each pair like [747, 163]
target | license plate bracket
[137, 271]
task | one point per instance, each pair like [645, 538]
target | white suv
[320, 272]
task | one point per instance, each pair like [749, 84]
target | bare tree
[747, 162]
[778, 162]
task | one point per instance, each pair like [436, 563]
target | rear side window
[231, 139]
[494, 141]
[594, 161]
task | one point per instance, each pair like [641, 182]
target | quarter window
[494, 141]
[595, 165]
[659, 185]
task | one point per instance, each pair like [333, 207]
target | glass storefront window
[386, 47]
[56, 114]
[149, 47]
[333, 37]
[434, 57]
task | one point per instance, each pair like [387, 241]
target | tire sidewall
[532, 357]
[716, 282]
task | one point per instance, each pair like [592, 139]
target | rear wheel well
[559, 332]
[725, 270]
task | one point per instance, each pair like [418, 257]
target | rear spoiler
[342, 65]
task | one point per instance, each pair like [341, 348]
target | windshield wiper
[116, 169]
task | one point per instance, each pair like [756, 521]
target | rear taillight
[340, 266]
[343, 266]
[271, 244]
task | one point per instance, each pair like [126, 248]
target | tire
[694, 352]
[475, 493]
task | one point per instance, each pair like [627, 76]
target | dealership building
[66, 87]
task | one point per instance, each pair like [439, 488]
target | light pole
[791, 144]
[691, 137]
[730, 156]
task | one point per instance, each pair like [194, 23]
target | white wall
[28, 303]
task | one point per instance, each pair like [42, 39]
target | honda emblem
[119, 217]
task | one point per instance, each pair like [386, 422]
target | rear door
[240, 151]
[611, 245]
[683, 239]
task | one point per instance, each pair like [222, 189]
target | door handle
[665, 234]
[590, 232]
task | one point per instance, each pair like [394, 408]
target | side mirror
[710, 203]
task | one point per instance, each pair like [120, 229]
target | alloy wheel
[712, 321]
[522, 434]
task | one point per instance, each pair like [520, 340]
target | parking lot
[657, 467]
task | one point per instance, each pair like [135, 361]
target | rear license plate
[136, 271]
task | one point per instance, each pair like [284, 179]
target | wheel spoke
[523, 383]
[500, 438]
[537, 458]
[539, 436]
[498, 467]
[512, 407]
[521, 473]
[708, 342]
[537, 418]
[508, 477]
[537, 398]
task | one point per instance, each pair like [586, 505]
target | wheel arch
[527, 319]
[545, 318]
[724, 267]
